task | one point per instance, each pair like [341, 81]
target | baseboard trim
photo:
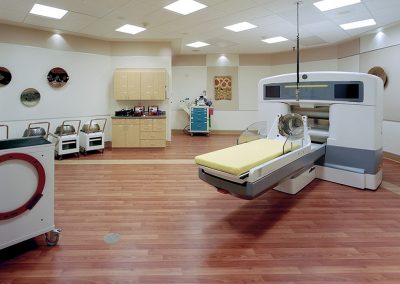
[391, 156]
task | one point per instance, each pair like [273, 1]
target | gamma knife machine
[339, 115]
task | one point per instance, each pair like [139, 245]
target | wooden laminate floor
[156, 222]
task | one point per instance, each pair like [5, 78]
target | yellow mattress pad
[239, 159]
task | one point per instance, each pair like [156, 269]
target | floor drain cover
[111, 238]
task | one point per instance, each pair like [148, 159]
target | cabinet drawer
[152, 135]
[146, 125]
[124, 121]
[152, 143]
[198, 116]
[159, 124]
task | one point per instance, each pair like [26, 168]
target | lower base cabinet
[138, 132]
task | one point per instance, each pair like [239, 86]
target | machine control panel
[351, 91]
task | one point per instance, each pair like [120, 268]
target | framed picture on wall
[223, 88]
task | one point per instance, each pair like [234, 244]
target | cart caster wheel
[59, 157]
[191, 134]
[52, 237]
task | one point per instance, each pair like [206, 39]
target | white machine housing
[355, 112]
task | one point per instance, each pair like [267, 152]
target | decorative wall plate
[57, 77]
[5, 76]
[30, 97]
[378, 71]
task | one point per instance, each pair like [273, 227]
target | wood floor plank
[174, 228]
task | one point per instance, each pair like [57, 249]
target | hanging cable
[298, 55]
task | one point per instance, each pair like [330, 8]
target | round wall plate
[30, 97]
[5, 76]
[380, 72]
[57, 77]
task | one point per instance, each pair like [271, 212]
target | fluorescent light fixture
[240, 27]
[327, 5]
[359, 24]
[130, 29]
[48, 11]
[197, 44]
[275, 39]
[185, 7]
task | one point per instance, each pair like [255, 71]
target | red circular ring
[28, 205]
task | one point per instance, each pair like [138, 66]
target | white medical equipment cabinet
[26, 190]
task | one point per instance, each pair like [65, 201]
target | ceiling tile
[327, 31]
[72, 22]
[100, 18]
[95, 8]
[15, 10]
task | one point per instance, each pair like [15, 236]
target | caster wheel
[52, 237]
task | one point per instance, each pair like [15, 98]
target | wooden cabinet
[120, 85]
[138, 132]
[125, 133]
[133, 85]
[137, 84]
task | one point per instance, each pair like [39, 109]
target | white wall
[188, 82]
[382, 49]
[249, 76]
[323, 65]
[85, 96]
[350, 64]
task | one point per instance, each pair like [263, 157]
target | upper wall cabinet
[139, 84]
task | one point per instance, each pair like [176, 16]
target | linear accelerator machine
[340, 117]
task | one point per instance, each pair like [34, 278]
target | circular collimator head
[291, 125]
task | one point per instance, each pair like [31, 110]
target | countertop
[140, 117]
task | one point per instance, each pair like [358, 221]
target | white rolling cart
[91, 136]
[66, 138]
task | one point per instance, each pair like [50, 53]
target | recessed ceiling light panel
[130, 29]
[185, 7]
[275, 39]
[47, 11]
[240, 27]
[359, 24]
[327, 5]
[197, 44]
